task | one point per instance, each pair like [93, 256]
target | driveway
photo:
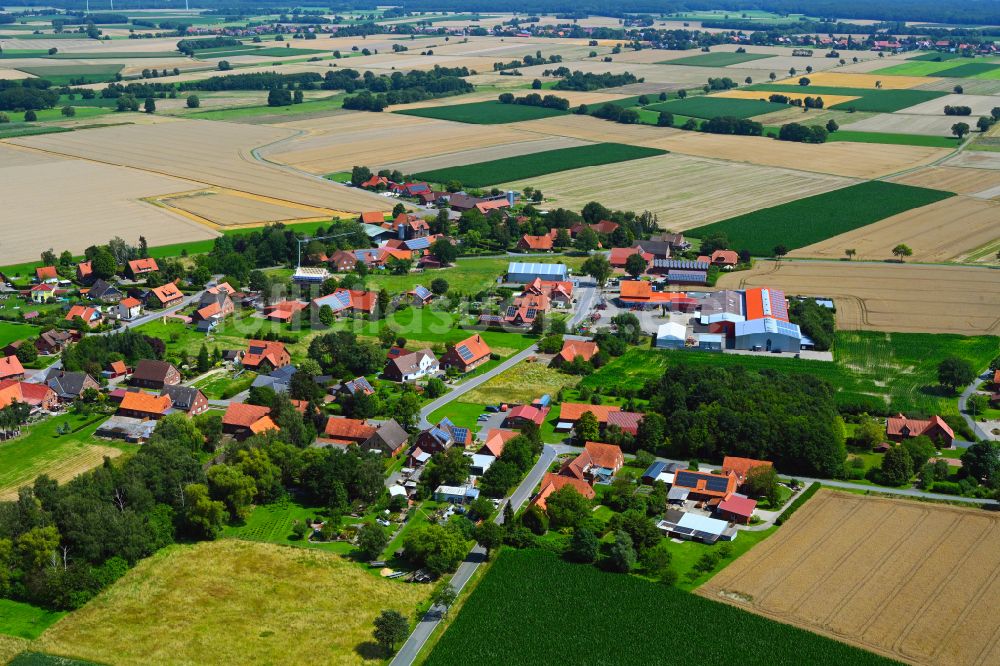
[429, 622]
[963, 404]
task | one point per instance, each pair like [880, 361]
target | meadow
[24, 620]
[897, 371]
[936, 56]
[63, 74]
[255, 602]
[11, 331]
[528, 593]
[720, 59]
[869, 99]
[706, 106]
[894, 139]
[484, 113]
[812, 219]
[538, 164]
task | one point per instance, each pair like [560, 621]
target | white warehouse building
[768, 334]
[527, 272]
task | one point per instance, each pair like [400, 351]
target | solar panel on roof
[532, 312]
[418, 244]
[440, 435]
[421, 291]
[716, 484]
[465, 352]
[686, 479]
[511, 311]
[460, 434]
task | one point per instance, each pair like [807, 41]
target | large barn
[524, 273]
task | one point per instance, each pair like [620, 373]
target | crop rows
[484, 113]
[711, 107]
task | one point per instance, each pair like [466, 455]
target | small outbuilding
[671, 335]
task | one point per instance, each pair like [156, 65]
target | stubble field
[939, 232]
[915, 582]
[881, 296]
[954, 179]
[228, 208]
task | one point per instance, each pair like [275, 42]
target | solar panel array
[538, 269]
[511, 311]
[773, 302]
[464, 352]
[686, 276]
[686, 479]
[418, 244]
[716, 484]
[422, 291]
[786, 328]
[532, 312]
[680, 264]
[460, 434]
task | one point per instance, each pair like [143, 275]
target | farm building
[692, 527]
[523, 414]
[640, 294]
[767, 334]
[705, 485]
[242, 420]
[899, 428]
[710, 342]
[455, 494]
[662, 472]
[552, 482]
[742, 467]
[671, 335]
[737, 509]
[150, 373]
[265, 354]
[524, 273]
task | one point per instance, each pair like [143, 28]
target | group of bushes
[807, 102]
[803, 133]
[534, 99]
[957, 111]
[590, 81]
[29, 95]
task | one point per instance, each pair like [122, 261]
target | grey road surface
[963, 405]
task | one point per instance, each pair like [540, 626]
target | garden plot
[209, 153]
[825, 572]
[92, 203]
[906, 123]
[939, 232]
[476, 155]
[687, 192]
[879, 296]
[954, 179]
[981, 105]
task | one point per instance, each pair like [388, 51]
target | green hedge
[799, 501]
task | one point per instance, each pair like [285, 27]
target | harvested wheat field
[981, 105]
[847, 80]
[63, 469]
[351, 141]
[978, 159]
[228, 208]
[915, 582]
[828, 100]
[881, 296]
[476, 155]
[685, 192]
[977, 182]
[96, 202]
[939, 232]
[234, 602]
[209, 153]
[904, 123]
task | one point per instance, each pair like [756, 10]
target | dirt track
[915, 582]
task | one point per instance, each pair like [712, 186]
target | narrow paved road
[429, 622]
[963, 405]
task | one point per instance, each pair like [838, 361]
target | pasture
[819, 217]
[824, 572]
[255, 601]
[879, 296]
[528, 592]
[538, 164]
[717, 59]
[484, 113]
[710, 106]
[521, 384]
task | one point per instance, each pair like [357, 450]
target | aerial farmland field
[719, 59]
[484, 113]
[710, 106]
[823, 571]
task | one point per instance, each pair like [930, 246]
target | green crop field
[528, 593]
[721, 59]
[935, 56]
[30, 130]
[24, 620]
[538, 164]
[331, 103]
[916, 68]
[809, 220]
[982, 70]
[898, 370]
[271, 52]
[64, 74]
[895, 139]
[706, 106]
[878, 101]
[484, 113]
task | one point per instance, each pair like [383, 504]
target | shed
[671, 335]
[481, 463]
[710, 342]
[677, 495]
[527, 272]
[653, 471]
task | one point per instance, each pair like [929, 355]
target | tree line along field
[520, 609]
[538, 164]
[484, 113]
[705, 106]
[868, 99]
[812, 219]
[895, 370]
[915, 582]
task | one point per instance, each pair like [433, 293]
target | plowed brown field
[916, 582]
[905, 298]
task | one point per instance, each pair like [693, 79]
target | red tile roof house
[899, 428]
[283, 311]
[742, 467]
[524, 414]
[705, 485]
[242, 420]
[558, 292]
[139, 267]
[11, 368]
[495, 441]
[737, 509]
[262, 354]
[619, 255]
[372, 217]
[129, 308]
[166, 296]
[92, 317]
[722, 258]
[406, 226]
[467, 355]
[116, 369]
[536, 243]
[154, 374]
[525, 309]
[570, 412]
[343, 261]
[552, 482]
[37, 396]
[625, 421]
[344, 432]
[46, 274]
[139, 405]
[597, 462]
[573, 348]
[84, 272]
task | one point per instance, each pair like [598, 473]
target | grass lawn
[809, 220]
[721, 59]
[419, 515]
[272, 523]
[462, 414]
[468, 275]
[521, 384]
[869, 99]
[538, 164]
[12, 330]
[234, 601]
[311, 106]
[61, 75]
[898, 369]
[528, 592]
[223, 385]
[706, 106]
[895, 139]
[24, 620]
[41, 449]
[484, 113]
[686, 554]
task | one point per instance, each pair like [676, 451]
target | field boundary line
[996, 633]
[956, 567]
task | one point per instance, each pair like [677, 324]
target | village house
[36, 396]
[467, 355]
[525, 309]
[242, 420]
[570, 413]
[340, 431]
[559, 293]
[105, 292]
[406, 226]
[84, 272]
[597, 463]
[736, 509]
[42, 293]
[442, 437]
[585, 349]
[11, 368]
[264, 356]
[69, 386]
[114, 370]
[420, 296]
[741, 467]
[139, 267]
[726, 259]
[456, 494]
[553, 481]
[676, 241]
[639, 294]
[153, 374]
[619, 256]
[705, 486]
[52, 341]
[412, 366]
[348, 300]
[140, 405]
[128, 309]
[165, 296]
[356, 386]
[92, 317]
[535, 243]
[389, 439]
[186, 399]
[214, 305]
[495, 440]
[900, 428]
[521, 415]
[46, 274]
[284, 311]
[342, 261]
